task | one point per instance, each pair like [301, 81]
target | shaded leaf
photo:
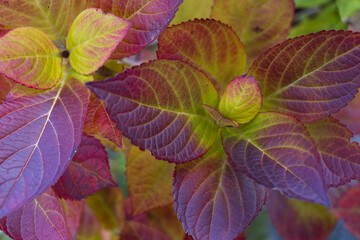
[341, 157]
[89, 228]
[190, 10]
[49, 16]
[93, 37]
[260, 24]
[42, 218]
[5, 86]
[87, 173]
[218, 118]
[309, 3]
[158, 106]
[296, 220]
[38, 134]
[213, 199]
[139, 231]
[73, 211]
[4, 30]
[277, 151]
[209, 45]
[335, 193]
[311, 76]
[347, 8]
[38, 66]
[149, 181]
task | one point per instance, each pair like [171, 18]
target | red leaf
[5, 86]
[341, 157]
[335, 193]
[158, 105]
[89, 225]
[311, 76]
[43, 218]
[348, 209]
[73, 211]
[149, 18]
[87, 173]
[38, 135]
[213, 199]
[277, 151]
[98, 122]
[4, 30]
[139, 231]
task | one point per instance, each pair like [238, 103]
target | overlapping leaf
[209, 45]
[148, 17]
[350, 114]
[341, 157]
[149, 181]
[190, 10]
[311, 76]
[277, 151]
[28, 56]
[42, 218]
[220, 120]
[87, 173]
[4, 30]
[73, 211]
[260, 24]
[50, 16]
[93, 37]
[139, 231]
[38, 135]
[296, 220]
[158, 106]
[5, 86]
[213, 199]
[89, 228]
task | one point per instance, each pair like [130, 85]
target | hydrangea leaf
[242, 99]
[209, 45]
[4, 30]
[49, 16]
[341, 157]
[158, 105]
[93, 37]
[73, 211]
[297, 220]
[277, 151]
[43, 218]
[349, 115]
[87, 173]
[189, 10]
[139, 231]
[311, 76]
[335, 193]
[149, 181]
[260, 24]
[148, 17]
[213, 199]
[38, 66]
[5, 86]
[218, 118]
[49, 125]
[89, 228]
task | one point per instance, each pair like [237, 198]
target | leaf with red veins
[73, 211]
[348, 209]
[148, 17]
[87, 173]
[277, 151]
[260, 24]
[213, 199]
[38, 135]
[340, 156]
[43, 218]
[209, 45]
[158, 105]
[98, 122]
[5, 86]
[312, 76]
[298, 220]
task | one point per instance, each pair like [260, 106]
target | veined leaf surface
[29, 57]
[277, 151]
[93, 37]
[38, 135]
[49, 16]
[209, 45]
[5, 86]
[158, 105]
[311, 76]
[213, 199]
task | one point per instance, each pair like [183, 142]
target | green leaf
[29, 57]
[93, 37]
[310, 3]
[190, 9]
[347, 8]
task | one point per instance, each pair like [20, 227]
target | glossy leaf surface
[5, 86]
[43, 218]
[49, 16]
[209, 45]
[148, 17]
[87, 173]
[93, 37]
[158, 106]
[297, 220]
[242, 99]
[38, 135]
[38, 66]
[260, 24]
[341, 157]
[311, 76]
[213, 199]
[277, 151]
